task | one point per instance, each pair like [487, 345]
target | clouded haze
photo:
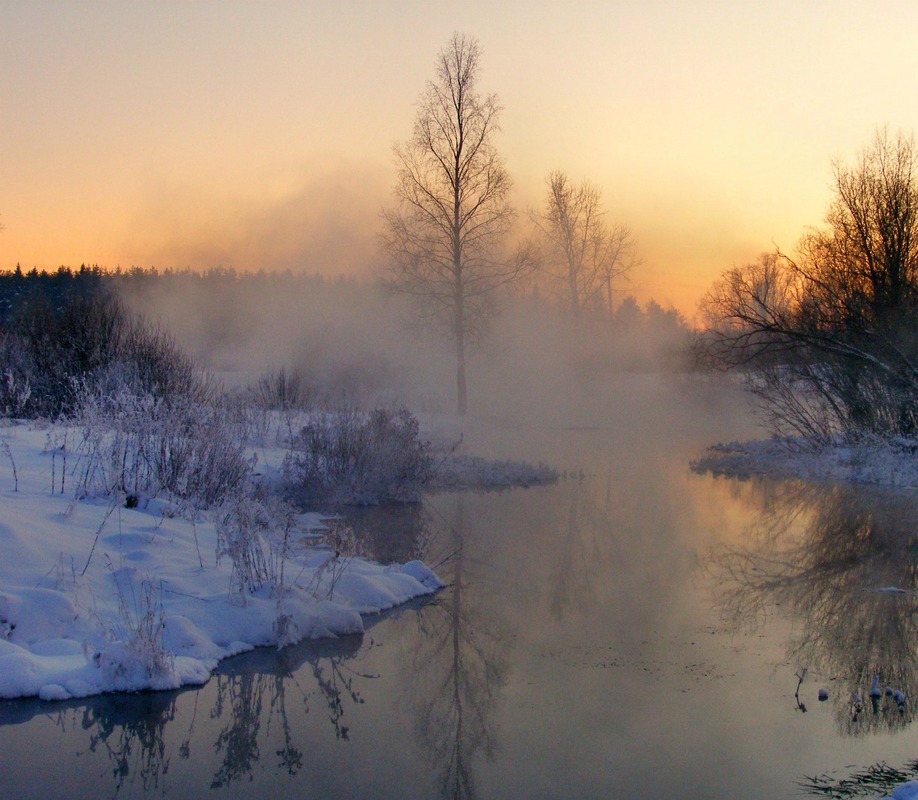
[254, 135]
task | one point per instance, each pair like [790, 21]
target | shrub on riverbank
[359, 458]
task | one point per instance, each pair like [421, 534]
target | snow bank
[460, 471]
[871, 462]
[905, 791]
[97, 598]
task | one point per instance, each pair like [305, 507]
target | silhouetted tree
[582, 251]
[833, 335]
[444, 241]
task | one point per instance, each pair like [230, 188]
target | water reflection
[587, 547]
[455, 668]
[842, 562]
[131, 732]
[261, 715]
[573, 654]
[269, 689]
[254, 705]
[392, 533]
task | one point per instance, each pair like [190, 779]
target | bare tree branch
[832, 337]
[582, 253]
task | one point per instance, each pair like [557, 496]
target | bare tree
[832, 336]
[444, 241]
[583, 253]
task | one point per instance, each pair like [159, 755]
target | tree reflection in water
[130, 729]
[820, 553]
[587, 546]
[455, 667]
[258, 697]
[254, 697]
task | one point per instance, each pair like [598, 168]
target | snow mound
[905, 791]
[98, 597]
[882, 463]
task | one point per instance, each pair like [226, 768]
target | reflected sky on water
[635, 630]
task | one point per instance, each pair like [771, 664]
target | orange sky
[259, 134]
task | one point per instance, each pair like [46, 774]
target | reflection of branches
[582, 547]
[290, 757]
[238, 740]
[849, 542]
[391, 533]
[185, 746]
[457, 671]
[131, 730]
[800, 676]
[257, 697]
[570, 574]
[246, 694]
[334, 684]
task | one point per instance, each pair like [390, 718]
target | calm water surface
[634, 631]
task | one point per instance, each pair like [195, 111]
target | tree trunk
[461, 401]
[458, 288]
[573, 288]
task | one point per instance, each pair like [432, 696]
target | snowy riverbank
[878, 463]
[96, 596]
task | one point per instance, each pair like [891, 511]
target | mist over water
[353, 341]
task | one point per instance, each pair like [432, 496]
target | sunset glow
[259, 134]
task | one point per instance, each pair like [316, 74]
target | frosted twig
[9, 455]
[114, 504]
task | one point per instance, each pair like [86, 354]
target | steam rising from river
[356, 343]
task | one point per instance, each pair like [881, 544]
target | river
[635, 630]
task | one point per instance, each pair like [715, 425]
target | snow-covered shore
[905, 791]
[879, 463]
[98, 597]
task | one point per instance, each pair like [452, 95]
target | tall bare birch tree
[445, 240]
[583, 254]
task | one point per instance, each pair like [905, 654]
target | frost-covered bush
[242, 526]
[256, 535]
[343, 546]
[458, 472]
[359, 458]
[284, 389]
[143, 445]
[284, 395]
[237, 409]
[136, 653]
[154, 364]
[50, 349]
[15, 388]
[50, 345]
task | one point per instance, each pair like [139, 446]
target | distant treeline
[56, 288]
[53, 287]
[60, 285]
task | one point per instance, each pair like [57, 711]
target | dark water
[634, 631]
